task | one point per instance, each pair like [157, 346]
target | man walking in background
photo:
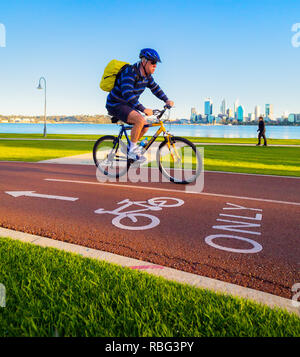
[262, 131]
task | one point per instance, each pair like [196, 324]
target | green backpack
[111, 73]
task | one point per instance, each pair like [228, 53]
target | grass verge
[283, 161]
[191, 138]
[51, 292]
[31, 150]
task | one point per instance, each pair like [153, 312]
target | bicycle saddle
[114, 119]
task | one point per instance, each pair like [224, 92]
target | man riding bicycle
[123, 101]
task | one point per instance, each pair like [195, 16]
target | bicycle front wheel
[109, 158]
[179, 161]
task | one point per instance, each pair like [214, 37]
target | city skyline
[238, 114]
[268, 109]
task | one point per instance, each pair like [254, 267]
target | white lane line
[175, 191]
[182, 277]
[92, 164]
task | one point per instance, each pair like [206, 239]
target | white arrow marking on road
[32, 194]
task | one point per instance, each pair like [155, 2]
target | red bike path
[242, 229]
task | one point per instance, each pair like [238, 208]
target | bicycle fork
[169, 143]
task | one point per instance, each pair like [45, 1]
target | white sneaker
[136, 155]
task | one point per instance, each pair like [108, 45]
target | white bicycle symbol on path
[153, 204]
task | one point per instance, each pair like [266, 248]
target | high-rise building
[291, 118]
[251, 116]
[240, 113]
[235, 106]
[269, 111]
[257, 112]
[211, 119]
[229, 113]
[223, 107]
[294, 118]
[193, 114]
[208, 107]
[285, 114]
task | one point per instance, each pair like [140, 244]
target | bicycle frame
[161, 129]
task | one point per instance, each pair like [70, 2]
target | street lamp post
[40, 87]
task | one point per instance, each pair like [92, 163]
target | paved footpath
[242, 229]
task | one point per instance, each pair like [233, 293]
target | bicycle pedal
[136, 164]
[131, 161]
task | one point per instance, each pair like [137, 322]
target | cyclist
[123, 101]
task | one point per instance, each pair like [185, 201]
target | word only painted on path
[135, 219]
[241, 223]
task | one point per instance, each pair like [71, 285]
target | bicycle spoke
[107, 157]
[179, 162]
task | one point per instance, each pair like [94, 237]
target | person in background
[262, 131]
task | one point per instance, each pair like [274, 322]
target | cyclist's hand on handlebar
[148, 112]
[170, 103]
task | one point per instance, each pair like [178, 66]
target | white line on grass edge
[198, 281]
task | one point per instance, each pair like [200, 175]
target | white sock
[132, 146]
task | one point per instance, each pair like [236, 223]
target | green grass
[51, 136]
[31, 150]
[51, 292]
[193, 139]
[252, 141]
[258, 160]
[284, 161]
[246, 159]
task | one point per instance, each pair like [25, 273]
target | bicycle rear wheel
[181, 162]
[109, 158]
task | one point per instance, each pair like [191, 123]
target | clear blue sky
[217, 48]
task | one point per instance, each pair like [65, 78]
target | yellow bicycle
[177, 158]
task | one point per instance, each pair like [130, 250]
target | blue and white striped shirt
[130, 86]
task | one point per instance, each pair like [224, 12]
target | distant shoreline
[186, 124]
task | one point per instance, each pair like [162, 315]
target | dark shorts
[120, 111]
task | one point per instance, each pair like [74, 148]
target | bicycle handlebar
[159, 113]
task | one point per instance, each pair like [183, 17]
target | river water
[217, 131]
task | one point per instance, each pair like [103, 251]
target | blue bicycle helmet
[150, 54]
